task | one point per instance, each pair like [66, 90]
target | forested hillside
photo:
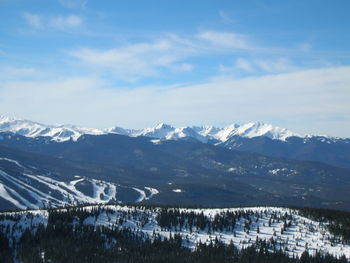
[114, 233]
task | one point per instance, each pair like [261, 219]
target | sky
[134, 64]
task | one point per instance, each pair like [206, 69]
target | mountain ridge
[183, 172]
[160, 131]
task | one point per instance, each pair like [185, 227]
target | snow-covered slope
[282, 228]
[254, 129]
[23, 186]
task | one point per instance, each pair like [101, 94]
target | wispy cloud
[18, 73]
[275, 66]
[60, 22]
[225, 40]
[69, 21]
[151, 57]
[137, 60]
[226, 18]
[260, 66]
[34, 20]
[305, 47]
[184, 67]
[244, 64]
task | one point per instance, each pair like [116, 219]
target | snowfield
[266, 223]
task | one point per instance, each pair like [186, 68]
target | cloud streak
[227, 40]
[134, 61]
[34, 20]
[61, 22]
[69, 21]
[151, 58]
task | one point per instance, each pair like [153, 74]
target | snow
[59, 133]
[12, 161]
[153, 191]
[156, 141]
[302, 234]
[254, 129]
[28, 189]
[143, 196]
[162, 131]
[4, 194]
[103, 192]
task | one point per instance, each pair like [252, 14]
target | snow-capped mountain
[33, 129]
[254, 129]
[161, 131]
[205, 133]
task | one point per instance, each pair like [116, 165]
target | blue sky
[138, 63]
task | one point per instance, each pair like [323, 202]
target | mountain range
[250, 164]
[255, 137]
[161, 131]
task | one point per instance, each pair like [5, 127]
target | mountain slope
[273, 229]
[190, 173]
[29, 180]
[251, 137]
[34, 129]
[316, 148]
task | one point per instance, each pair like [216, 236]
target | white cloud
[226, 18]
[8, 73]
[309, 101]
[69, 21]
[273, 66]
[184, 67]
[137, 60]
[151, 57]
[305, 47]
[254, 66]
[225, 40]
[244, 64]
[53, 22]
[34, 20]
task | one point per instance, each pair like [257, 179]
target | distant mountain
[255, 137]
[209, 133]
[182, 172]
[33, 129]
[314, 148]
[160, 131]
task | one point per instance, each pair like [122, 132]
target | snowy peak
[183, 132]
[161, 131]
[205, 133]
[255, 129]
[120, 131]
[58, 133]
